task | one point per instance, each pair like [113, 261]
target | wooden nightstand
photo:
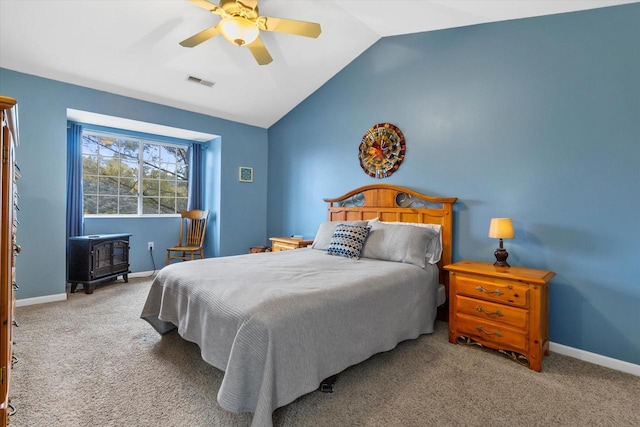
[504, 308]
[288, 243]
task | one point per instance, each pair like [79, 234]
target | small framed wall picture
[245, 174]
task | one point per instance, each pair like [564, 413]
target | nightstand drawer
[277, 247]
[498, 290]
[515, 317]
[495, 334]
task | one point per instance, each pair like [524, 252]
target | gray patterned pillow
[347, 240]
[326, 230]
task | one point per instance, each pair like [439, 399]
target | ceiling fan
[241, 25]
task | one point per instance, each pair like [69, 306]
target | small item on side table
[259, 249]
[501, 228]
[503, 308]
[288, 243]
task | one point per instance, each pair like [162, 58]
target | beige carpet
[91, 361]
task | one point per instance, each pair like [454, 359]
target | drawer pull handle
[497, 313]
[496, 333]
[481, 289]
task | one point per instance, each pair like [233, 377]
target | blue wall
[238, 209]
[535, 119]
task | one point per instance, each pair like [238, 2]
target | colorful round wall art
[382, 150]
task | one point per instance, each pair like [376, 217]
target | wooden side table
[503, 308]
[288, 243]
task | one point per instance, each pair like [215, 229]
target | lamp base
[501, 258]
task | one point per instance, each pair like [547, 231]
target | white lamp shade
[501, 228]
[239, 31]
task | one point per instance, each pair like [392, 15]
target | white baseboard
[63, 297]
[598, 359]
[41, 300]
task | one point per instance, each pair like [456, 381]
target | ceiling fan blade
[251, 4]
[290, 26]
[202, 36]
[260, 52]
[209, 6]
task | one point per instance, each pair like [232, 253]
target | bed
[279, 323]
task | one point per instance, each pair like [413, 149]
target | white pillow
[434, 246]
[398, 242]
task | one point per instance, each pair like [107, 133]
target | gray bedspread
[279, 323]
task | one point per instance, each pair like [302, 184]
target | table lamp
[501, 228]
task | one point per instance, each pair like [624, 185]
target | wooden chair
[193, 229]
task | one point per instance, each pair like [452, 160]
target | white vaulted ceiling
[130, 47]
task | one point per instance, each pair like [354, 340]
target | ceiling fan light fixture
[239, 31]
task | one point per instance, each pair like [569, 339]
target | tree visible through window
[124, 175]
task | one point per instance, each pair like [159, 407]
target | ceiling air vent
[200, 81]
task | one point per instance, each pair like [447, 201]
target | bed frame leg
[326, 386]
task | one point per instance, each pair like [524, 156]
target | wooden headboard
[394, 203]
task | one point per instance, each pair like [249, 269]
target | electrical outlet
[150, 246]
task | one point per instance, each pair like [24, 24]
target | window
[125, 175]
